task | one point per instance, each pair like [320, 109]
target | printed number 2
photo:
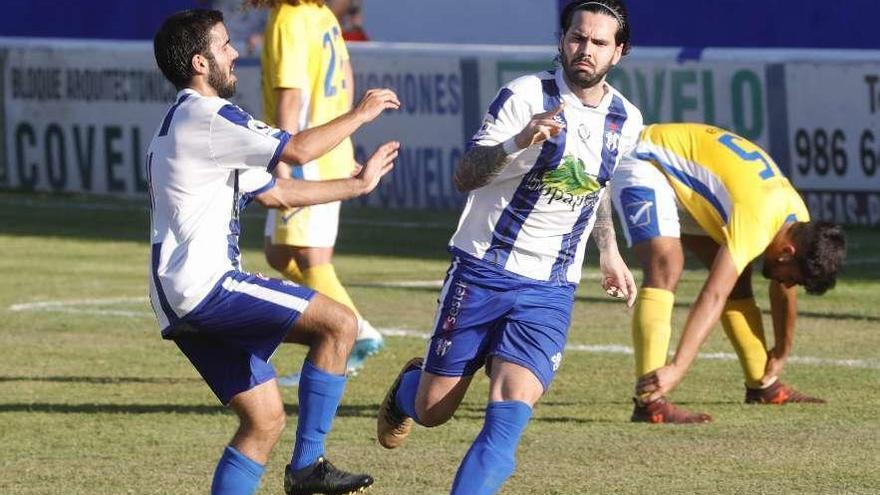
[728, 140]
[330, 38]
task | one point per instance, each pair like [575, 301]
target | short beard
[581, 79]
[221, 84]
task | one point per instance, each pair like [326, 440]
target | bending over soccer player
[208, 160]
[536, 175]
[725, 200]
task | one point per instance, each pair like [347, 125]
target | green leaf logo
[571, 177]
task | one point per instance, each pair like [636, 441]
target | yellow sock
[292, 273]
[652, 328]
[323, 279]
[745, 329]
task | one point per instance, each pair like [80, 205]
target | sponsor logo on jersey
[258, 126]
[569, 183]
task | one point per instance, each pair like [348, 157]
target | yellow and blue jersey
[303, 49]
[729, 185]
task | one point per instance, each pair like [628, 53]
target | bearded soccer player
[207, 161]
[536, 174]
[724, 199]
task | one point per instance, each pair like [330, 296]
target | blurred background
[82, 95]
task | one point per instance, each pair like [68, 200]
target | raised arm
[783, 308]
[311, 143]
[703, 315]
[480, 164]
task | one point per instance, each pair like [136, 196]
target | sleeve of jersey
[507, 115]
[254, 181]
[634, 128]
[239, 141]
[292, 54]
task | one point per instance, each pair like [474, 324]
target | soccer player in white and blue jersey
[536, 173]
[207, 161]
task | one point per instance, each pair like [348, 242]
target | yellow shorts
[306, 226]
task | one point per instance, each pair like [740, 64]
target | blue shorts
[485, 311]
[231, 335]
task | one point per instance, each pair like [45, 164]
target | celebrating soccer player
[536, 174]
[208, 160]
[725, 200]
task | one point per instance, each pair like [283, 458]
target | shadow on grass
[474, 413]
[100, 380]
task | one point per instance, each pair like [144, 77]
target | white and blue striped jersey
[206, 162]
[534, 218]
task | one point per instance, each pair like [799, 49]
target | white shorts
[306, 226]
[646, 204]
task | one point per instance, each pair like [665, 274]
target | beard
[765, 271]
[581, 78]
[223, 84]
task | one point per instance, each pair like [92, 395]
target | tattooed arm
[617, 280]
[481, 164]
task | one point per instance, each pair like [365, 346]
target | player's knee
[267, 424]
[340, 327]
[664, 272]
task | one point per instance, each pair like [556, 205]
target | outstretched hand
[374, 102]
[380, 163]
[541, 127]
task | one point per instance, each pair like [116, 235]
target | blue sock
[491, 459]
[236, 474]
[319, 396]
[406, 393]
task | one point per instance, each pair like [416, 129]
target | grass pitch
[92, 400]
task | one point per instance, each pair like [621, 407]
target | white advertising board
[834, 138]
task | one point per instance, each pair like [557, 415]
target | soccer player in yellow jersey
[724, 199]
[307, 81]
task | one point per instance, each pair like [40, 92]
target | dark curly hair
[613, 8]
[181, 37]
[820, 248]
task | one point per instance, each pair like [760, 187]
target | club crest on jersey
[612, 136]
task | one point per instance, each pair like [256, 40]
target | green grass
[99, 403]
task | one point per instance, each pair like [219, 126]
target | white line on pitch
[74, 307]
